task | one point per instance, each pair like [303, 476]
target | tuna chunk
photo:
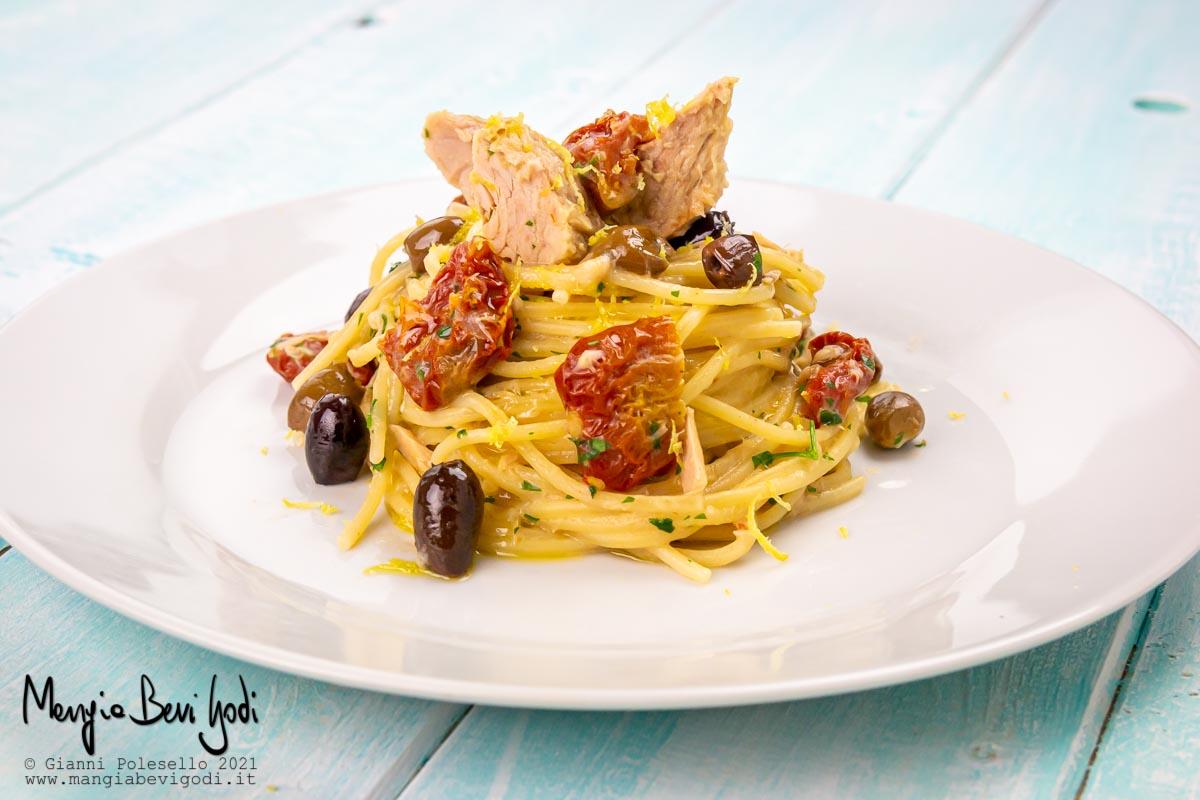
[684, 168]
[531, 200]
[523, 185]
[448, 143]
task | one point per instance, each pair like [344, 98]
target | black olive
[336, 440]
[358, 298]
[440, 230]
[894, 418]
[331, 380]
[447, 518]
[635, 248]
[733, 261]
[714, 224]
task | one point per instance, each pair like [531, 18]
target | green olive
[635, 248]
[733, 261]
[417, 245]
[331, 380]
[894, 419]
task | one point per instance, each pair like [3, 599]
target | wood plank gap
[922, 151]
[708, 17]
[465, 710]
[350, 18]
[1127, 673]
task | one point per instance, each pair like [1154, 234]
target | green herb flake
[461, 432]
[421, 372]
[828, 417]
[810, 489]
[666, 524]
[489, 499]
[862, 398]
[899, 438]
[531, 519]
[627, 500]
[379, 466]
[529, 222]
[443, 332]
[529, 487]
[757, 262]
[589, 448]
[427, 133]
[675, 293]
[921, 443]
[869, 363]
[599, 287]
[592, 489]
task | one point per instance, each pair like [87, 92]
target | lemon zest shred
[752, 526]
[324, 508]
[659, 113]
[845, 534]
[956, 415]
[264, 450]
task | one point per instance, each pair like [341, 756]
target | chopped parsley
[666, 524]
[379, 466]
[443, 332]
[828, 417]
[869, 363]
[810, 489]
[600, 287]
[371, 413]
[593, 343]
[529, 222]
[461, 432]
[529, 487]
[757, 262]
[530, 518]
[862, 398]
[766, 458]
[589, 448]
[489, 499]
[427, 133]
[627, 500]
[592, 489]
[421, 372]
[921, 443]
[675, 293]
[899, 438]
[491, 152]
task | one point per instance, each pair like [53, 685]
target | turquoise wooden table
[1074, 124]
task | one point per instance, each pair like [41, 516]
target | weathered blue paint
[1023, 116]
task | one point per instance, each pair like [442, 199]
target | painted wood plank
[1053, 149]
[1152, 746]
[348, 111]
[1006, 729]
[77, 79]
[312, 740]
[964, 734]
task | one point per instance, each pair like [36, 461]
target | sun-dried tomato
[451, 338]
[623, 391]
[844, 372]
[291, 353]
[605, 152]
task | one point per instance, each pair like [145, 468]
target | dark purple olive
[894, 419]
[336, 440]
[635, 248]
[440, 230]
[447, 518]
[357, 302]
[714, 224]
[331, 380]
[733, 262]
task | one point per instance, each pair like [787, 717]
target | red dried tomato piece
[450, 339]
[291, 353]
[609, 146]
[838, 375]
[623, 390]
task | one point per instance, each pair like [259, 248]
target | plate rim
[1117, 596]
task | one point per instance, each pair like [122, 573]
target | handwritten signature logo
[150, 710]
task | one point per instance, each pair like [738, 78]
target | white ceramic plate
[132, 470]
